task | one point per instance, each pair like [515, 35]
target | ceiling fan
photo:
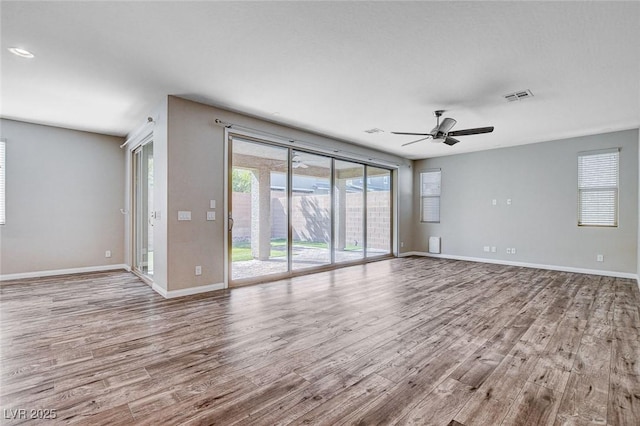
[441, 133]
[297, 162]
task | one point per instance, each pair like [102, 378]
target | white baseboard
[528, 265]
[410, 253]
[51, 273]
[187, 291]
[161, 291]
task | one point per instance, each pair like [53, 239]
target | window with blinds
[430, 195]
[2, 182]
[598, 187]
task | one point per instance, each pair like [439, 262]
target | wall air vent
[518, 96]
[374, 130]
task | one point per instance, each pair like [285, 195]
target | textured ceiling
[336, 68]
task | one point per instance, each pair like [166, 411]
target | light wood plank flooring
[402, 341]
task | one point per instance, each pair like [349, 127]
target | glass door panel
[378, 211]
[349, 211]
[310, 210]
[258, 210]
[143, 209]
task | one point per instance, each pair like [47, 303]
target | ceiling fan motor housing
[438, 136]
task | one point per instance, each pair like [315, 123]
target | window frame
[582, 189]
[424, 197]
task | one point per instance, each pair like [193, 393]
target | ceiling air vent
[374, 130]
[519, 95]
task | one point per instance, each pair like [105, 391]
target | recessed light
[23, 53]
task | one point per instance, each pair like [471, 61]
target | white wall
[65, 189]
[541, 222]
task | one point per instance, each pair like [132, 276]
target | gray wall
[541, 222]
[64, 193]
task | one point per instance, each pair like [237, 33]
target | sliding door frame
[229, 136]
[136, 157]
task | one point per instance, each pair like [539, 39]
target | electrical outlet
[493, 249]
[401, 244]
[107, 253]
[508, 251]
[513, 250]
[211, 215]
[487, 249]
[198, 270]
[600, 258]
[494, 202]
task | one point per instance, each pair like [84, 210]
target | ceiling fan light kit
[442, 134]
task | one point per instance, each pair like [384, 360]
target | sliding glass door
[292, 210]
[258, 210]
[143, 210]
[348, 190]
[378, 211]
[310, 210]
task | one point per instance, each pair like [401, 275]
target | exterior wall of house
[378, 217]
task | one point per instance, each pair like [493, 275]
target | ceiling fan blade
[446, 125]
[412, 142]
[413, 134]
[475, 131]
[450, 141]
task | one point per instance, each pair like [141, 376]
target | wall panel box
[434, 245]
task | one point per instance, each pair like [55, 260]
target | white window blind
[430, 195]
[2, 181]
[598, 174]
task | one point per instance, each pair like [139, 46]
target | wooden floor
[407, 341]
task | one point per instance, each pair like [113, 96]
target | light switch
[184, 215]
[211, 215]
[212, 204]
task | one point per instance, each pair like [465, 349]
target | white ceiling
[337, 68]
